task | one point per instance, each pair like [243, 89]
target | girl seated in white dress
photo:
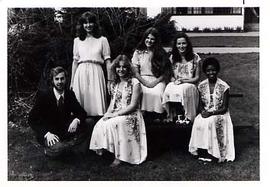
[122, 129]
[153, 70]
[212, 131]
[181, 96]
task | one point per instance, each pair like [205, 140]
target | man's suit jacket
[45, 116]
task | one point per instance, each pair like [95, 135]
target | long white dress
[152, 97]
[125, 135]
[186, 94]
[214, 133]
[89, 81]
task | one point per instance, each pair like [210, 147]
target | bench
[169, 125]
[168, 136]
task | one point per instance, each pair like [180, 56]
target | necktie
[61, 103]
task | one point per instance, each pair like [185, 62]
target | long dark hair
[91, 18]
[127, 64]
[160, 62]
[189, 54]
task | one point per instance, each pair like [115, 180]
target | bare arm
[109, 63]
[143, 81]
[136, 93]
[194, 79]
[223, 109]
[130, 108]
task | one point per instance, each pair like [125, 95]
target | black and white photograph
[169, 92]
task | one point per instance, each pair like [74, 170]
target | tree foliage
[36, 42]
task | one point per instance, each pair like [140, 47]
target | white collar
[57, 95]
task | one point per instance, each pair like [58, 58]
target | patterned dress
[186, 93]
[214, 133]
[125, 135]
[89, 81]
[152, 97]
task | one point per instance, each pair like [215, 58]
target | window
[203, 10]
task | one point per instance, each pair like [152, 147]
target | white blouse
[94, 49]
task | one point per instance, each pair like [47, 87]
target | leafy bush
[196, 29]
[36, 42]
[206, 30]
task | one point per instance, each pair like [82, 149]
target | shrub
[196, 29]
[228, 29]
[36, 42]
[184, 29]
[239, 29]
[206, 30]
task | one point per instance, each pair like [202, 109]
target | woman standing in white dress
[181, 96]
[122, 129]
[153, 70]
[90, 52]
[212, 131]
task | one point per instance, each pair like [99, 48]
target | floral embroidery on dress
[203, 89]
[123, 97]
[220, 136]
[214, 102]
[219, 95]
[133, 124]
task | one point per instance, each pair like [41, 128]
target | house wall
[208, 21]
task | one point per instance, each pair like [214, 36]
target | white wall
[209, 21]
[153, 11]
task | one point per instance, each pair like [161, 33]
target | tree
[37, 41]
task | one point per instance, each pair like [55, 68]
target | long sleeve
[36, 116]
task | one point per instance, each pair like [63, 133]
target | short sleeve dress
[185, 94]
[89, 81]
[152, 97]
[215, 133]
[125, 135]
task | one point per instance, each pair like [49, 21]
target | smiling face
[149, 41]
[59, 82]
[211, 73]
[88, 26]
[181, 45]
[122, 69]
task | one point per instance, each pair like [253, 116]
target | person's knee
[54, 150]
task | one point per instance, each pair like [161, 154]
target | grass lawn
[168, 161]
[168, 158]
[241, 72]
[225, 41]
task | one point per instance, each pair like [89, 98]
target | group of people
[153, 85]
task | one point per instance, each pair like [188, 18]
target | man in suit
[57, 117]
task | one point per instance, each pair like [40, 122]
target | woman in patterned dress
[153, 70]
[122, 130]
[90, 52]
[181, 96]
[212, 131]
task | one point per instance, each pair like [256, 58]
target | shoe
[187, 121]
[205, 159]
[157, 121]
[167, 121]
[99, 152]
[115, 163]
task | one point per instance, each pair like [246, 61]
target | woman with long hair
[181, 97]
[153, 70]
[122, 130]
[90, 52]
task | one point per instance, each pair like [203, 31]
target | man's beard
[59, 87]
